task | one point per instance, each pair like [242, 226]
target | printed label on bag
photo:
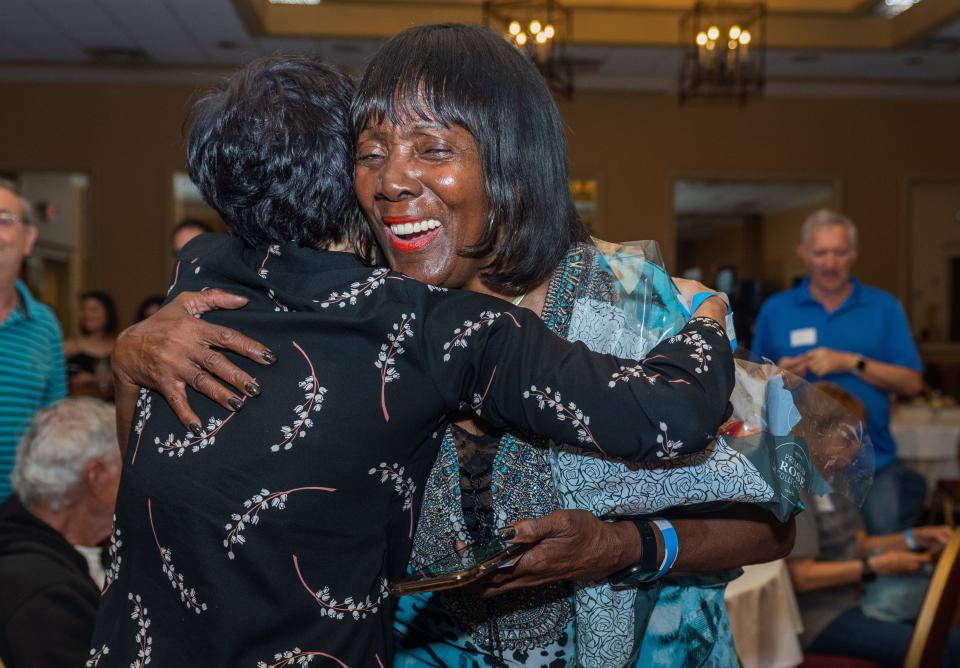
[793, 468]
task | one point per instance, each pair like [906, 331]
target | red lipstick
[408, 245]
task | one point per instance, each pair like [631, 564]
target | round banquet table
[927, 441]
[764, 617]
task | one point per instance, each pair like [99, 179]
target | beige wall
[933, 217]
[636, 145]
[128, 139]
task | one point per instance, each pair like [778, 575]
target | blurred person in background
[88, 355]
[32, 370]
[187, 230]
[65, 481]
[834, 558]
[148, 307]
[832, 327]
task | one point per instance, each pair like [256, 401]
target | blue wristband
[671, 546]
[699, 298]
[911, 542]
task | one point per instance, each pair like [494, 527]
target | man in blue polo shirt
[32, 374]
[832, 327]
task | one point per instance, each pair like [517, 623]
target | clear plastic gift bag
[799, 436]
[785, 436]
[796, 436]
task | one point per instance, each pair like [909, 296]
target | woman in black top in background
[88, 355]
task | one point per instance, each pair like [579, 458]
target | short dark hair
[147, 304]
[192, 223]
[470, 76]
[113, 325]
[270, 151]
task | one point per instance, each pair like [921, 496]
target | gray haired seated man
[65, 484]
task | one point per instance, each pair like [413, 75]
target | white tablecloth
[764, 617]
[927, 441]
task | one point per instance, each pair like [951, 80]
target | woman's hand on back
[174, 348]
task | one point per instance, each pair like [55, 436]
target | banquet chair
[939, 611]
[949, 492]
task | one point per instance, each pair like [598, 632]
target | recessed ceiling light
[894, 7]
[118, 55]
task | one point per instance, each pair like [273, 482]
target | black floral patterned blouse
[269, 540]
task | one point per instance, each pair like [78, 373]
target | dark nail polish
[508, 533]
[195, 428]
[235, 403]
[268, 357]
[252, 388]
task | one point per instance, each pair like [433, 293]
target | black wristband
[648, 551]
[868, 574]
[648, 543]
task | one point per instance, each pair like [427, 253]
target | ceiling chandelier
[723, 51]
[540, 29]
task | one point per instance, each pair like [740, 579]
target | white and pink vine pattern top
[270, 538]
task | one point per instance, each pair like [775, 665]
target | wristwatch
[868, 574]
[861, 365]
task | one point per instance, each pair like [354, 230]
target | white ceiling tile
[85, 23]
[210, 21]
[209, 32]
[156, 29]
[928, 65]
[28, 35]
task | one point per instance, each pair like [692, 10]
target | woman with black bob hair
[267, 534]
[466, 76]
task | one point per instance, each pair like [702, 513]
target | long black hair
[470, 76]
[112, 325]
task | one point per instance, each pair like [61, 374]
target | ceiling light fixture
[540, 30]
[725, 57]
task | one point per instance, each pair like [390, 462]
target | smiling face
[420, 185]
[93, 316]
[16, 237]
[829, 255]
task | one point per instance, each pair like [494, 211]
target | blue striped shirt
[32, 373]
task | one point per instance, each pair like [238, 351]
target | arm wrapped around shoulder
[692, 376]
[511, 370]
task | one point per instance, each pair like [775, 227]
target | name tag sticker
[803, 337]
[824, 503]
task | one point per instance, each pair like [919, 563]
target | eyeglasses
[8, 219]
